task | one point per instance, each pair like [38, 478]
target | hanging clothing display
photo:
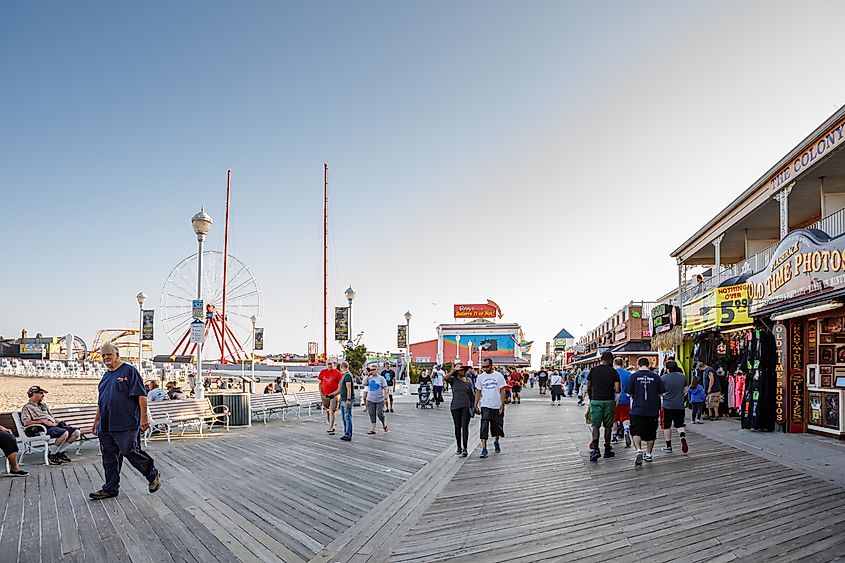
[758, 403]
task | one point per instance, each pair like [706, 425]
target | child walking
[697, 397]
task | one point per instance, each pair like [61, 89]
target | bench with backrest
[26, 444]
[80, 417]
[308, 399]
[264, 405]
[158, 420]
[187, 413]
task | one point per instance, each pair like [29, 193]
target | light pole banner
[147, 316]
[259, 338]
[341, 324]
[402, 336]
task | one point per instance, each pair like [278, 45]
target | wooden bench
[190, 412]
[159, 422]
[308, 399]
[81, 418]
[264, 405]
[26, 444]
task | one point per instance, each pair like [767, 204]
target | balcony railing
[833, 225]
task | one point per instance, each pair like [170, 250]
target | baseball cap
[36, 389]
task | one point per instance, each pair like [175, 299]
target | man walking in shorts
[490, 404]
[675, 389]
[622, 422]
[644, 388]
[329, 379]
[390, 376]
[602, 387]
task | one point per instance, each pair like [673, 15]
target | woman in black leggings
[9, 446]
[463, 400]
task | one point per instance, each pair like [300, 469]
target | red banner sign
[478, 311]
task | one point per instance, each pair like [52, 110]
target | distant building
[467, 342]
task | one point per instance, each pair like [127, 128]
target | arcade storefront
[800, 295]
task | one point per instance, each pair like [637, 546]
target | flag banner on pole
[147, 316]
[402, 336]
[341, 324]
[259, 338]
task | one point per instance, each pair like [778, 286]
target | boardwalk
[288, 492]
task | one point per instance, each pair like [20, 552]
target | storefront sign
[341, 324]
[732, 305]
[664, 317]
[796, 376]
[821, 146]
[147, 317]
[780, 372]
[700, 313]
[478, 311]
[805, 263]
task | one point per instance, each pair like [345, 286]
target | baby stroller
[424, 397]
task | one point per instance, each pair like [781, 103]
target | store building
[472, 341]
[626, 333]
[783, 239]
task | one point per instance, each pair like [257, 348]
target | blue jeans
[118, 445]
[346, 413]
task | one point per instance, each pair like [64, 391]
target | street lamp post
[350, 295]
[457, 348]
[470, 353]
[141, 298]
[408, 347]
[201, 222]
[253, 319]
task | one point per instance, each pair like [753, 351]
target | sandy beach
[65, 392]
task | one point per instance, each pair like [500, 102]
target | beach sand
[65, 392]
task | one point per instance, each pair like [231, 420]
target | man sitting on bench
[36, 412]
[9, 446]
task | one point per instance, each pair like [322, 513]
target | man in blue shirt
[121, 416]
[644, 388]
[623, 406]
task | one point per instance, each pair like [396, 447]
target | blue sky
[515, 151]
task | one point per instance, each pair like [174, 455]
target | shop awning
[642, 347]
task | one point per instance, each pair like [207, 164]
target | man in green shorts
[603, 388]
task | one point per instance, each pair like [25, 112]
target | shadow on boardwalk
[289, 492]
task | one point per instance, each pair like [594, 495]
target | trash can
[239, 407]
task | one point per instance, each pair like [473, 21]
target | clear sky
[546, 155]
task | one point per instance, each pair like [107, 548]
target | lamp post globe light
[201, 223]
[254, 319]
[457, 348]
[141, 299]
[350, 296]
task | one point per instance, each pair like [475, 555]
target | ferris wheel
[226, 340]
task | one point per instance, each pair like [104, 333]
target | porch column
[783, 198]
[718, 244]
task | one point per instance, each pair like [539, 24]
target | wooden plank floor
[541, 500]
[288, 492]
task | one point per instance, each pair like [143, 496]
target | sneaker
[484, 452]
[459, 452]
[54, 459]
[464, 453]
[684, 445]
[666, 449]
[627, 439]
[346, 438]
[101, 494]
[639, 459]
[648, 458]
[497, 448]
[18, 473]
[594, 455]
[608, 452]
[63, 456]
[614, 440]
[155, 484]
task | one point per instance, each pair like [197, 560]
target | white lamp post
[201, 222]
[470, 352]
[350, 295]
[253, 319]
[141, 298]
[457, 348]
